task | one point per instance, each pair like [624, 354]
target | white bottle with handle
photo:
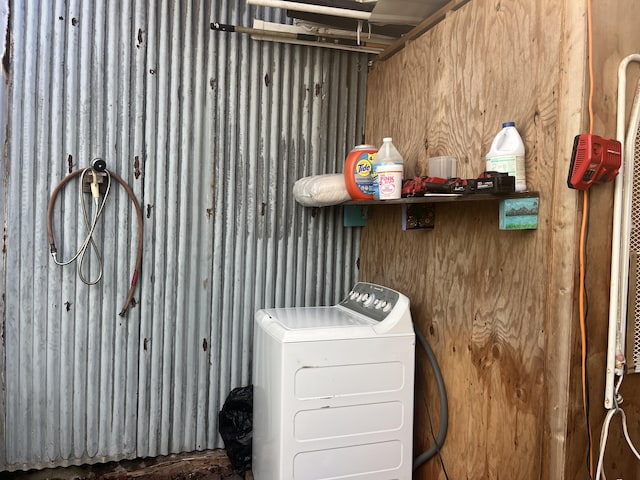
[388, 171]
[507, 155]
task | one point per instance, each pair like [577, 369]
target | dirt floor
[209, 465]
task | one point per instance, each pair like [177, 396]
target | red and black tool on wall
[594, 160]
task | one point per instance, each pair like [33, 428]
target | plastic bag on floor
[235, 424]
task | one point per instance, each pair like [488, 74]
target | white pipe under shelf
[335, 46]
[305, 7]
[372, 41]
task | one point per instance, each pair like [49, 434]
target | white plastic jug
[388, 155]
[507, 155]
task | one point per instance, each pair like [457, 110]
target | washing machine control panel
[371, 300]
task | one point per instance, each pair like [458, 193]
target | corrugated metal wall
[210, 130]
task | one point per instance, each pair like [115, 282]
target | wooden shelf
[518, 211]
[446, 197]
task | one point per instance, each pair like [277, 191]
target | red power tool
[594, 160]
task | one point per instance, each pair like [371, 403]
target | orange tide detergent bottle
[358, 168]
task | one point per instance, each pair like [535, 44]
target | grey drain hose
[444, 409]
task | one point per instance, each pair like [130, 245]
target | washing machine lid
[369, 310]
[296, 318]
[301, 324]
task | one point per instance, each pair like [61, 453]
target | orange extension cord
[583, 235]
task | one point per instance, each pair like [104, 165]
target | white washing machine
[333, 389]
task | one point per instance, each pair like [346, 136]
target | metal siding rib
[211, 131]
[4, 112]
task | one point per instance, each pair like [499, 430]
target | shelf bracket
[355, 215]
[418, 216]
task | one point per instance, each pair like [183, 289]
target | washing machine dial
[369, 301]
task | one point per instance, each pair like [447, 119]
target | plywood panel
[561, 325]
[480, 295]
[616, 35]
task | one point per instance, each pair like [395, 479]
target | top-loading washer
[333, 389]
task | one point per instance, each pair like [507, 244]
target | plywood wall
[615, 36]
[497, 307]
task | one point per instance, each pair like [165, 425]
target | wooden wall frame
[500, 308]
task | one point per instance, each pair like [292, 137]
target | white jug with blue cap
[507, 155]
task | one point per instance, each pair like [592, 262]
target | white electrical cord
[605, 433]
[90, 224]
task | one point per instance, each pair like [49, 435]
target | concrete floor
[208, 465]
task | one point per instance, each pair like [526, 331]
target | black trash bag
[235, 424]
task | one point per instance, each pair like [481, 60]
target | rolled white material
[321, 190]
